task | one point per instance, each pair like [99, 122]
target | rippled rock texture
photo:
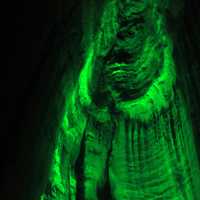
[127, 133]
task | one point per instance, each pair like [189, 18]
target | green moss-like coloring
[126, 120]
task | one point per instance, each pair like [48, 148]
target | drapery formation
[127, 126]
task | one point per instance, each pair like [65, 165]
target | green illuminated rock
[126, 124]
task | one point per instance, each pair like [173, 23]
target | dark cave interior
[47, 41]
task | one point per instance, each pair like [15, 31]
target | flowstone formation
[127, 133]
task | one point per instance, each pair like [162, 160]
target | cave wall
[186, 53]
[47, 47]
[49, 50]
[55, 35]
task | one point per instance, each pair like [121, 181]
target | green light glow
[126, 120]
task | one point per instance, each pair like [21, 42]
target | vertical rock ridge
[130, 111]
